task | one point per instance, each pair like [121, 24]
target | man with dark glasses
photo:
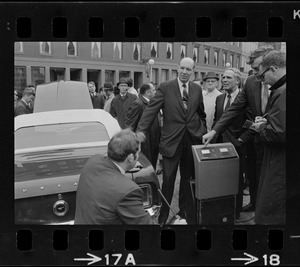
[271, 197]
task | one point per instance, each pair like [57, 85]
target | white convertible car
[51, 148]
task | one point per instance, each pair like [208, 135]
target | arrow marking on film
[249, 260]
[92, 260]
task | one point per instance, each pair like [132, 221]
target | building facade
[43, 62]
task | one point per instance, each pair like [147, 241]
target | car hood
[62, 95]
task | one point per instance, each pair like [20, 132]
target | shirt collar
[234, 94]
[147, 99]
[27, 104]
[279, 83]
[181, 83]
[119, 167]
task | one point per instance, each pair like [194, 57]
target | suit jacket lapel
[191, 95]
[221, 106]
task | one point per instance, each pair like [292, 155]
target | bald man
[184, 125]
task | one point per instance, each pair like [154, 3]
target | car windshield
[60, 134]
[47, 158]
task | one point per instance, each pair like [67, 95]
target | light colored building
[42, 62]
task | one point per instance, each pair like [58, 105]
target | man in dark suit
[183, 126]
[230, 82]
[24, 105]
[121, 102]
[135, 112]
[250, 99]
[105, 195]
[97, 99]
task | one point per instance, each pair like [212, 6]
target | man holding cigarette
[250, 99]
[270, 208]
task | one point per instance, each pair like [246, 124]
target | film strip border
[264, 21]
[132, 27]
[177, 245]
[152, 21]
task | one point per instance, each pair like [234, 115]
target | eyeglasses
[262, 76]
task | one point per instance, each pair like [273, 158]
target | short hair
[144, 87]
[123, 144]
[237, 74]
[274, 58]
[91, 82]
[190, 59]
[261, 51]
[28, 91]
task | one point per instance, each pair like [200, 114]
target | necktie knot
[228, 101]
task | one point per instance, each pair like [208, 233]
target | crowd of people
[176, 115]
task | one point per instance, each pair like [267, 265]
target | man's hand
[255, 126]
[208, 137]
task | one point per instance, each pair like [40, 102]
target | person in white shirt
[209, 97]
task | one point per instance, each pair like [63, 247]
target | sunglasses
[262, 76]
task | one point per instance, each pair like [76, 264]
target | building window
[206, 56]
[118, 50]
[96, 50]
[45, 48]
[57, 74]
[154, 51]
[19, 47]
[224, 60]
[182, 51]
[136, 51]
[76, 74]
[20, 78]
[110, 76]
[216, 58]
[37, 75]
[196, 54]
[72, 48]
[174, 74]
[169, 51]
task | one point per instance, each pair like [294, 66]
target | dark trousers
[253, 168]
[184, 158]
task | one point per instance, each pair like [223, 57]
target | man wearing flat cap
[121, 102]
[209, 97]
[109, 95]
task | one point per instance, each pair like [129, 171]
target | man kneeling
[105, 195]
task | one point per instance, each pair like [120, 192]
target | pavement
[246, 218]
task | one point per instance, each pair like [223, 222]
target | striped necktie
[185, 96]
